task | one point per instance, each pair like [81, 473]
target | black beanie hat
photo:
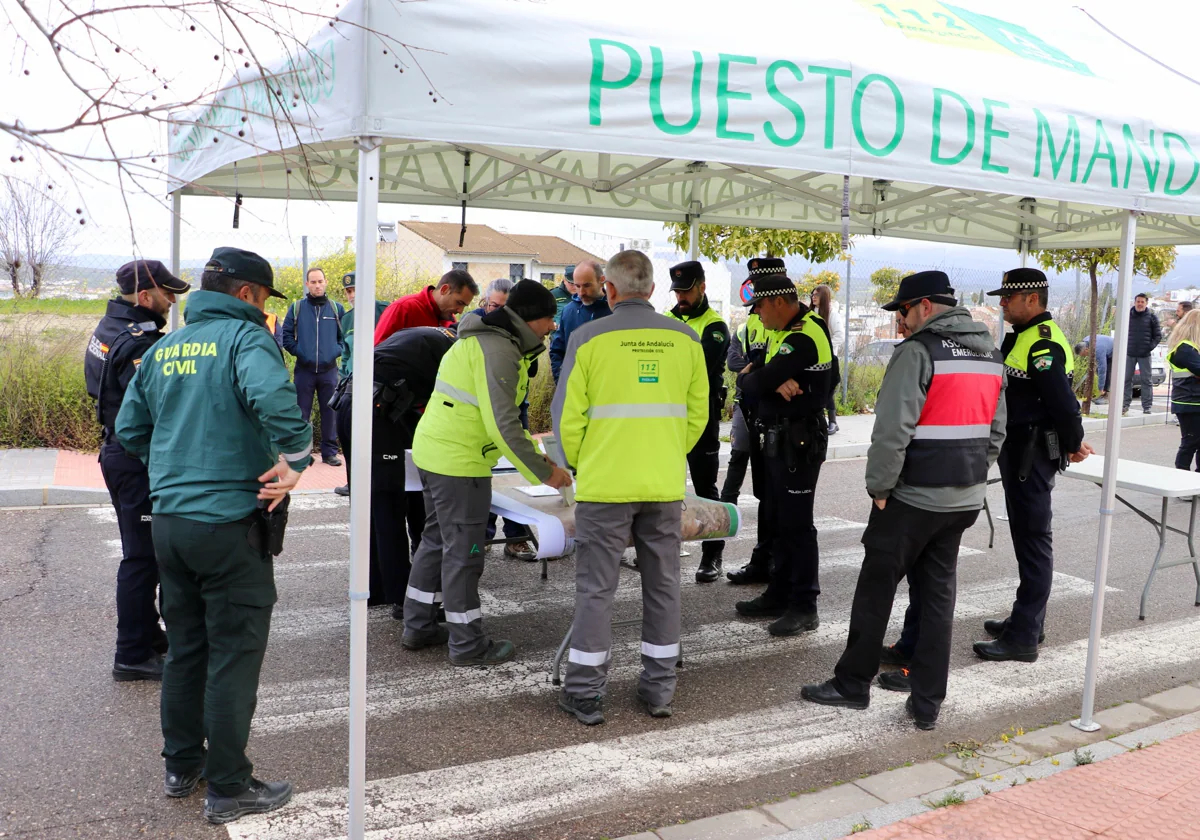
[531, 300]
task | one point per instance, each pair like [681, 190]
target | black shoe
[398, 612]
[344, 490]
[1000, 650]
[259, 798]
[921, 723]
[995, 628]
[495, 653]
[653, 709]
[430, 638]
[759, 607]
[892, 655]
[793, 623]
[179, 785]
[750, 573]
[151, 669]
[833, 429]
[333, 461]
[710, 567]
[586, 710]
[895, 680]
[1146, 411]
[826, 694]
[159, 642]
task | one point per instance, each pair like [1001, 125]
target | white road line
[503, 795]
[317, 501]
[104, 515]
[285, 707]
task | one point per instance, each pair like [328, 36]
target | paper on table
[539, 491]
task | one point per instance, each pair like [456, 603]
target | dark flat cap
[135, 276]
[243, 265]
[931, 285]
[348, 280]
[1021, 281]
[686, 275]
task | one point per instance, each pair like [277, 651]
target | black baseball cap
[931, 285]
[686, 275]
[348, 280]
[244, 265]
[1020, 281]
[135, 276]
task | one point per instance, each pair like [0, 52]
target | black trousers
[307, 382]
[704, 461]
[760, 487]
[903, 540]
[793, 536]
[137, 577]
[1029, 521]
[1189, 440]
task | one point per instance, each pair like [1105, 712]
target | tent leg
[360, 508]
[694, 238]
[1108, 491]
[845, 360]
[176, 202]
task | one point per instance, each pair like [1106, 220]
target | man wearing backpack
[312, 332]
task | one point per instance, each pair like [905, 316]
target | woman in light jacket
[827, 308]
[1183, 358]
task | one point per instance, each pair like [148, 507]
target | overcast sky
[1165, 28]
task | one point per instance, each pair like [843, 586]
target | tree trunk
[1091, 371]
[14, 274]
[35, 283]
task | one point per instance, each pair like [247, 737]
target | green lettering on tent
[786, 101]
[989, 133]
[1167, 188]
[656, 79]
[831, 74]
[724, 94]
[935, 151]
[600, 84]
[1132, 145]
[856, 115]
[1045, 136]
[1110, 155]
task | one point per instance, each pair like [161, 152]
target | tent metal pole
[360, 487]
[176, 224]
[1108, 491]
[845, 361]
[694, 238]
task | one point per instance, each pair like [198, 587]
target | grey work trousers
[602, 532]
[449, 561]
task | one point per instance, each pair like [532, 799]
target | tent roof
[953, 124]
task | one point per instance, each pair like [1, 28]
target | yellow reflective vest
[473, 416]
[632, 401]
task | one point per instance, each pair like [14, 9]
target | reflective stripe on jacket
[950, 445]
[632, 401]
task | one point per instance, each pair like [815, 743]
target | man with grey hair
[939, 424]
[631, 402]
[588, 305]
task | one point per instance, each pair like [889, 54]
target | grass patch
[862, 389]
[45, 397]
[52, 306]
[859, 828]
[1083, 757]
[950, 799]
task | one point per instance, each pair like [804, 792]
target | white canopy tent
[937, 121]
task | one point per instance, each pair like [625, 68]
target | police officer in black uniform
[130, 326]
[406, 365]
[687, 282]
[789, 392]
[1045, 432]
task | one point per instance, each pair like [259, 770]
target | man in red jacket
[431, 307]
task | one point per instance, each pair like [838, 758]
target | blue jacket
[1104, 351]
[312, 332]
[574, 315]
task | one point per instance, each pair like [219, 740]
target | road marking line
[501, 796]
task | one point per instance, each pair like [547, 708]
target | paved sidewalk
[1138, 776]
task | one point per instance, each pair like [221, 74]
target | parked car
[877, 352]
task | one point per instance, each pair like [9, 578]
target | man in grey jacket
[939, 424]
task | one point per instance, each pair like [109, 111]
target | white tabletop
[1143, 478]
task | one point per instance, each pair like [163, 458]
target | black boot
[995, 628]
[758, 570]
[1002, 650]
[710, 563]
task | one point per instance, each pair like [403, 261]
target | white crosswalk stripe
[287, 707]
[500, 796]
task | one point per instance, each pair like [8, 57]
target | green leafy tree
[885, 282]
[736, 242]
[806, 284]
[1151, 262]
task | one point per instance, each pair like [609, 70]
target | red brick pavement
[1148, 793]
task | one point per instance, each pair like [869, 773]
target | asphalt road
[456, 753]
